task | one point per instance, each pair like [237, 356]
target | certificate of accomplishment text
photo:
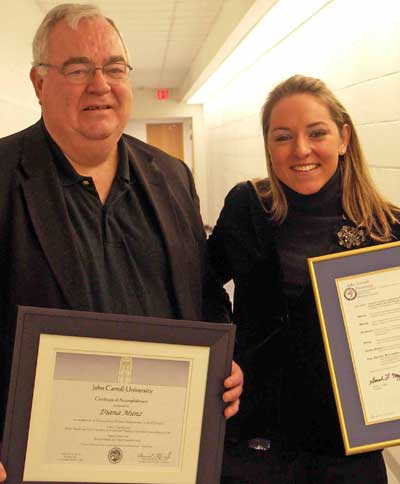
[370, 305]
[115, 409]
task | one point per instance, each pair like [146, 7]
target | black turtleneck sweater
[308, 231]
[309, 414]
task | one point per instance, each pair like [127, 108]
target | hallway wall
[18, 105]
[353, 47]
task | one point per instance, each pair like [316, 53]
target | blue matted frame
[324, 270]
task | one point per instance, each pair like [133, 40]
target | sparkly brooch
[351, 237]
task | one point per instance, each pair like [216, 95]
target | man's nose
[97, 81]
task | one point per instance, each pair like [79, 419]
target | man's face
[88, 112]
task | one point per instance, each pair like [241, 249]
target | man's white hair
[72, 13]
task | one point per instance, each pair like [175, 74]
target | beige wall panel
[381, 143]
[19, 107]
[392, 459]
[15, 117]
[388, 181]
[373, 101]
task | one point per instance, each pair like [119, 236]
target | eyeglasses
[80, 73]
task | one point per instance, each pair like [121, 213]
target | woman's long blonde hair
[362, 203]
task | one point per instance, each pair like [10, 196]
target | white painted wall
[137, 128]
[392, 459]
[18, 105]
[354, 47]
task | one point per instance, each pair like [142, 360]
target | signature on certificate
[385, 377]
[156, 457]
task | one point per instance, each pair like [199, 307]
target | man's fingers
[232, 409]
[3, 474]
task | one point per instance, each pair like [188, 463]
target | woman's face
[304, 143]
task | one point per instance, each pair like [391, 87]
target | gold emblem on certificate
[115, 455]
[350, 293]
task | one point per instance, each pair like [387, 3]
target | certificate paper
[117, 413]
[357, 294]
[371, 312]
[127, 411]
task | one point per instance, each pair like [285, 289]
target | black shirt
[119, 243]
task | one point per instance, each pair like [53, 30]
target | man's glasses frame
[82, 72]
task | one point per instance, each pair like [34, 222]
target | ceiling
[163, 36]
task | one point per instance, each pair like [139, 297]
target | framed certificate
[101, 398]
[358, 299]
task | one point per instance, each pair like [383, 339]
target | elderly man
[90, 218]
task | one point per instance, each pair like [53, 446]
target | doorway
[167, 137]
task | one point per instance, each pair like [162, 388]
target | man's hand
[3, 474]
[234, 388]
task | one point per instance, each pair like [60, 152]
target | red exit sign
[162, 94]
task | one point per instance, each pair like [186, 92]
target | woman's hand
[234, 388]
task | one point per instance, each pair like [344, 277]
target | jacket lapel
[161, 200]
[46, 206]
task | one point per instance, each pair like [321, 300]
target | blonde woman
[318, 199]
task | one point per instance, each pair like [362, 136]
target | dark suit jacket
[39, 260]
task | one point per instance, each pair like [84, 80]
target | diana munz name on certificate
[358, 299]
[100, 398]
